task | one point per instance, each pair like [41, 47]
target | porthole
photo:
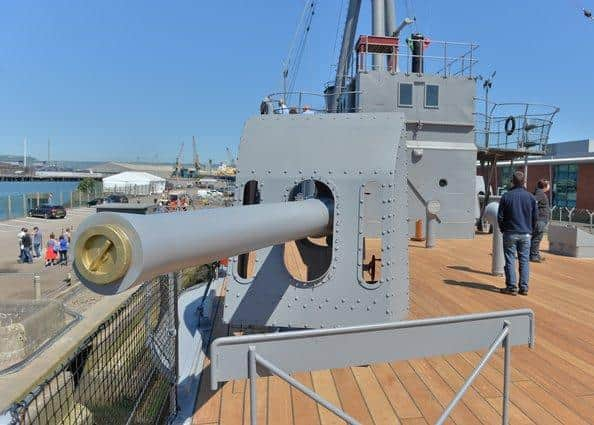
[443, 182]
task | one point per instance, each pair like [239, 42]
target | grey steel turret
[320, 240]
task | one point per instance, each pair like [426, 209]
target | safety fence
[581, 217]
[125, 372]
[16, 206]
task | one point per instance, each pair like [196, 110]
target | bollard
[498, 258]
[37, 286]
[418, 231]
[433, 208]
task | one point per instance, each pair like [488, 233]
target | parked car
[96, 201]
[48, 211]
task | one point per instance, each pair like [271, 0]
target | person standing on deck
[517, 216]
[307, 110]
[37, 241]
[542, 224]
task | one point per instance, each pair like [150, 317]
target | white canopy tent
[134, 183]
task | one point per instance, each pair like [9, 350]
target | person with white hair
[283, 108]
[307, 110]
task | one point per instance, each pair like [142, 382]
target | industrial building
[161, 170]
[569, 166]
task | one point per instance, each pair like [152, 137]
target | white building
[134, 183]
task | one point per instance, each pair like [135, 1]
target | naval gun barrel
[114, 251]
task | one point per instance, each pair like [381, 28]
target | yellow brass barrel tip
[103, 254]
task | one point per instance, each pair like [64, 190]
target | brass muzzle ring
[103, 254]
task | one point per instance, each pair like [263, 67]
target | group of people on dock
[30, 247]
[523, 218]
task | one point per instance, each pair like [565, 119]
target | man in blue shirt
[517, 218]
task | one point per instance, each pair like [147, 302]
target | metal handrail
[503, 337]
[397, 341]
[276, 97]
[254, 359]
[466, 58]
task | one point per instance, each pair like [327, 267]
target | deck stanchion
[253, 376]
[430, 231]
[24, 204]
[477, 370]
[9, 207]
[506, 374]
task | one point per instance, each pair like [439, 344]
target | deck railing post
[297, 385]
[253, 375]
[506, 375]
[501, 338]
[9, 207]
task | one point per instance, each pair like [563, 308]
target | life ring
[510, 125]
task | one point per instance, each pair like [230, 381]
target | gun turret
[116, 251]
[320, 240]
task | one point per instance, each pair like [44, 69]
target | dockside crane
[230, 157]
[195, 156]
[177, 170]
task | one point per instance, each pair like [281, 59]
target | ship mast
[383, 24]
[348, 38]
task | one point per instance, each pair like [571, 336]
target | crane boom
[195, 158]
[178, 162]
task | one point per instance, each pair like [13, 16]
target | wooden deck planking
[554, 383]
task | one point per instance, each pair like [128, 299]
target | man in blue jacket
[517, 218]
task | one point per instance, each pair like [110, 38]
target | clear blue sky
[121, 80]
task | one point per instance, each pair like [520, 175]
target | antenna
[487, 85]
[48, 151]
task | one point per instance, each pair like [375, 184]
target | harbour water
[17, 197]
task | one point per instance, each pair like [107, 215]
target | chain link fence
[123, 373]
[16, 206]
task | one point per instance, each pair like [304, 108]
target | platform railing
[298, 102]
[444, 58]
[513, 126]
[280, 354]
